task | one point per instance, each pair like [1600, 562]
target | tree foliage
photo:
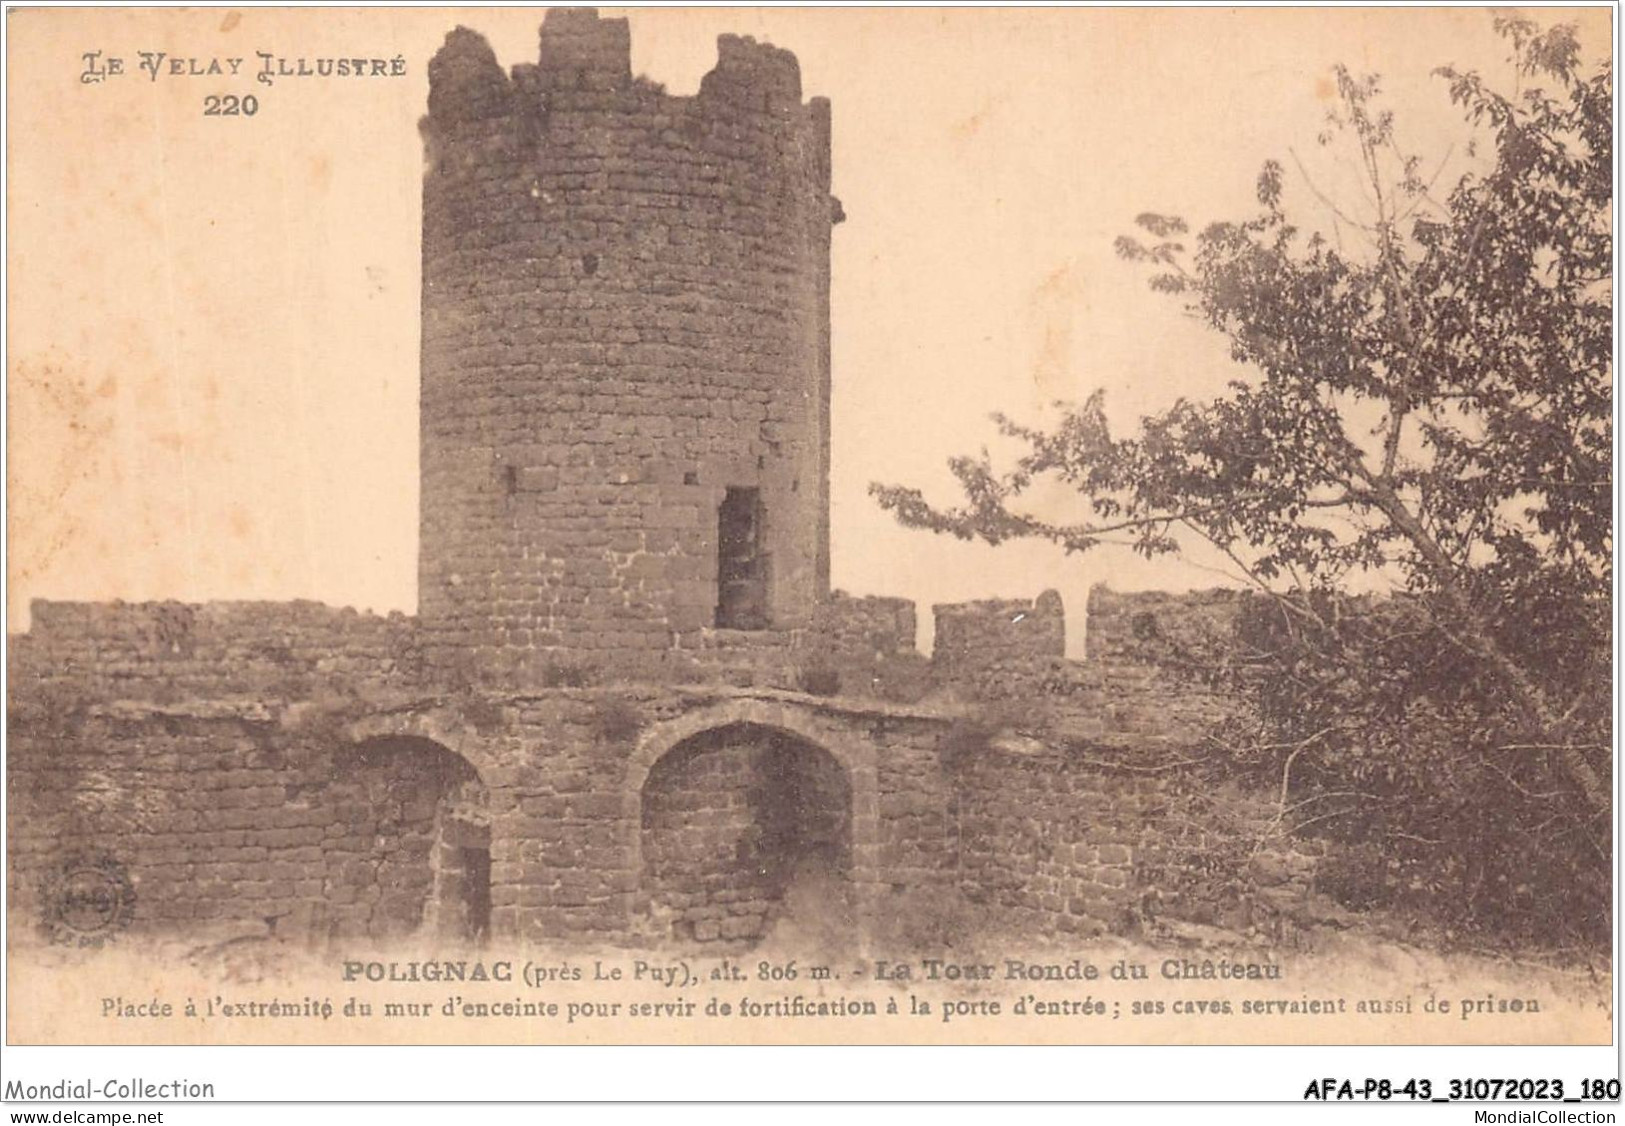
[1424, 394]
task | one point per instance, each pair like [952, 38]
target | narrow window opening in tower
[741, 561]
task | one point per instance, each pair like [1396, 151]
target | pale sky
[214, 321]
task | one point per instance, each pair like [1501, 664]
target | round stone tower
[625, 358]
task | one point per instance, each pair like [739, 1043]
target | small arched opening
[417, 859]
[742, 827]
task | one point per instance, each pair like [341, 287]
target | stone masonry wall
[999, 647]
[869, 627]
[1099, 814]
[625, 314]
[1155, 627]
[283, 767]
[1048, 840]
[326, 819]
[732, 821]
[869, 650]
[1153, 655]
[1089, 839]
[173, 651]
[221, 821]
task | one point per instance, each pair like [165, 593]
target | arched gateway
[743, 810]
[419, 861]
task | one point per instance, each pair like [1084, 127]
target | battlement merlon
[466, 83]
[580, 51]
[1144, 628]
[994, 631]
[753, 74]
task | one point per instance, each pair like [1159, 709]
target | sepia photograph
[811, 526]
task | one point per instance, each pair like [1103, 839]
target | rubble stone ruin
[630, 709]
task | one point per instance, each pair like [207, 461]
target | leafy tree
[1425, 394]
